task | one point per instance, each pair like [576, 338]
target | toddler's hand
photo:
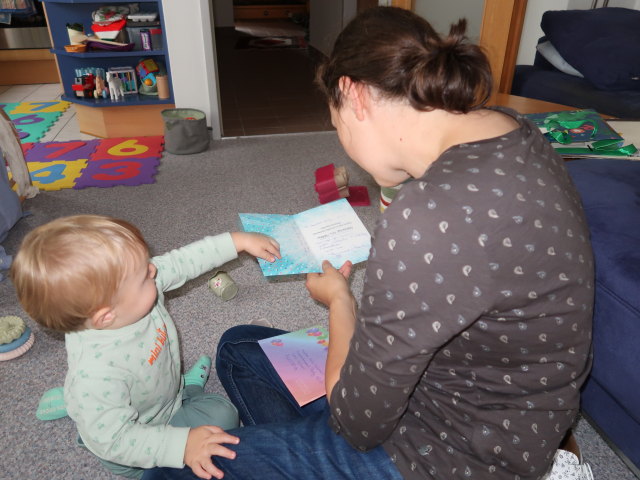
[257, 245]
[203, 442]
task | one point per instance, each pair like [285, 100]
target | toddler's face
[137, 293]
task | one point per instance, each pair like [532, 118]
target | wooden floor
[266, 92]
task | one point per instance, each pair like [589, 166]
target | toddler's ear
[102, 319]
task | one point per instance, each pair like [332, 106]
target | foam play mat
[93, 163]
[34, 119]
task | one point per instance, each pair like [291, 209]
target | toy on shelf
[148, 71]
[101, 90]
[127, 77]
[90, 83]
[116, 90]
[84, 82]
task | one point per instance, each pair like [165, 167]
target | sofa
[610, 191]
[586, 59]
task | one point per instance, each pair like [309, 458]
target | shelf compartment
[62, 12]
[122, 120]
[129, 100]
[109, 54]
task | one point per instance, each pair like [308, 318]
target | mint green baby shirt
[124, 385]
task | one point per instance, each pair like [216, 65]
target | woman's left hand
[331, 284]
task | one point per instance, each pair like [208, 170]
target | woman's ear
[102, 319]
[355, 95]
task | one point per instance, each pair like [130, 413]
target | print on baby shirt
[159, 343]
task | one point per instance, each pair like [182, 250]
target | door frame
[500, 33]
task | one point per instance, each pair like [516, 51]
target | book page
[334, 232]
[296, 257]
[299, 358]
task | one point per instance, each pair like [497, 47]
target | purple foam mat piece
[69, 151]
[110, 172]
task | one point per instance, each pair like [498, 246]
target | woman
[466, 356]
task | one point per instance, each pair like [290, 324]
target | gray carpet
[194, 196]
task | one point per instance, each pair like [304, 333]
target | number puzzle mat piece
[86, 163]
[39, 107]
[119, 148]
[55, 175]
[110, 172]
[26, 147]
[33, 119]
[69, 151]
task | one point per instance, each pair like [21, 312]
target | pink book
[299, 358]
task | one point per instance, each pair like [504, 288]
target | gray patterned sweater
[474, 329]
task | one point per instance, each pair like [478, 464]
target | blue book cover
[332, 231]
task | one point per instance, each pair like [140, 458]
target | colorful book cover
[299, 358]
[581, 126]
[332, 231]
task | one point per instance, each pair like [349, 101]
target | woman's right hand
[202, 443]
[331, 284]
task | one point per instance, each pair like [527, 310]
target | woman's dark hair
[401, 55]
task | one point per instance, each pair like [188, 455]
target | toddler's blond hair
[69, 268]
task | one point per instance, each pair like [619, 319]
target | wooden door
[500, 36]
[406, 4]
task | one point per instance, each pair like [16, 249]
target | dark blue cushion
[544, 82]
[610, 192]
[603, 44]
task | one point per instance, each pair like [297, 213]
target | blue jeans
[280, 440]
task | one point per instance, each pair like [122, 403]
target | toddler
[91, 277]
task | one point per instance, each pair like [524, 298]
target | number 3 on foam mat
[108, 173]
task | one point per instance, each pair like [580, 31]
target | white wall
[326, 20]
[223, 12]
[189, 32]
[531, 30]
[442, 13]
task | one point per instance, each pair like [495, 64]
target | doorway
[266, 72]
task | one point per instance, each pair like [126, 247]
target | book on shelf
[299, 358]
[332, 231]
[582, 133]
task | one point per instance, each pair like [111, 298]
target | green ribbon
[603, 147]
[559, 126]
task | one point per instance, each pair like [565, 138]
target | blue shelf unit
[62, 12]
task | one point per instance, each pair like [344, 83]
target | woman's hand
[203, 442]
[331, 284]
[256, 244]
[332, 289]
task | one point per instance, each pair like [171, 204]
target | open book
[299, 358]
[332, 231]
